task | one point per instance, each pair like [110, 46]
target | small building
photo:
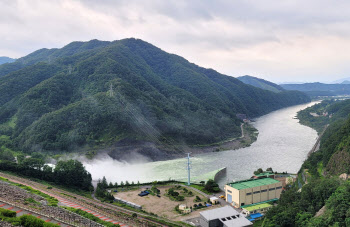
[251, 191]
[257, 207]
[214, 200]
[182, 207]
[223, 217]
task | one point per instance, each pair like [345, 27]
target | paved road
[318, 141]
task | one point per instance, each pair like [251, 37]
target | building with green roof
[251, 191]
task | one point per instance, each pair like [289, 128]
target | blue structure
[253, 217]
[143, 193]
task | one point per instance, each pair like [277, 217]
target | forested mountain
[4, 60]
[96, 93]
[319, 89]
[260, 83]
[334, 153]
[323, 193]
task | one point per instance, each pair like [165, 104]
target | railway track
[104, 211]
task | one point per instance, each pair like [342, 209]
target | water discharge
[282, 144]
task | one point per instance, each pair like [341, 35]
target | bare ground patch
[163, 206]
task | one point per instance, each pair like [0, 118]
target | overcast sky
[276, 40]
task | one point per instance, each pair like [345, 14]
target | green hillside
[4, 60]
[261, 83]
[322, 193]
[94, 94]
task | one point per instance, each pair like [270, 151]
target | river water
[282, 144]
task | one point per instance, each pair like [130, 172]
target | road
[317, 144]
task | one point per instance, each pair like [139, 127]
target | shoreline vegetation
[320, 196]
[161, 152]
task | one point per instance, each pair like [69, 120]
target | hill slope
[325, 199]
[94, 94]
[4, 60]
[319, 89]
[260, 83]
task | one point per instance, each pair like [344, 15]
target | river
[282, 144]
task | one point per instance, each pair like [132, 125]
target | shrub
[31, 221]
[7, 213]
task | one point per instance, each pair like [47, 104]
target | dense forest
[319, 175]
[261, 83]
[93, 94]
[4, 60]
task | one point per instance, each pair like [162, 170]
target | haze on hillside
[279, 41]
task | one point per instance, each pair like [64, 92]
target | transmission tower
[69, 69]
[189, 169]
[111, 92]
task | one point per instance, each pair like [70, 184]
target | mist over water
[282, 144]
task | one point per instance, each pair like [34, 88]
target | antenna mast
[188, 169]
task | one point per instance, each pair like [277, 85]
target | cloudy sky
[281, 41]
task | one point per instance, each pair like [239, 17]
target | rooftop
[237, 222]
[221, 212]
[258, 207]
[227, 215]
[251, 183]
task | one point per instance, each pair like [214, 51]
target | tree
[104, 183]
[7, 155]
[258, 171]
[72, 173]
[211, 186]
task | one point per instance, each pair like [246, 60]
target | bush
[14, 221]
[7, 213]
[31, 221]
[180, 198]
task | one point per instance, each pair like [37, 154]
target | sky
[281, 41]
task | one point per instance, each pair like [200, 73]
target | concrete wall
[247, 196]
[203, 222]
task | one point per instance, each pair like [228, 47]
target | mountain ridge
[260, 83]
[94, 94]
[4, 60]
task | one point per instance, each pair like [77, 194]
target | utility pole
[188, 169]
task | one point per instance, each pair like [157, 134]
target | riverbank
[282, 144]
[153, 152]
